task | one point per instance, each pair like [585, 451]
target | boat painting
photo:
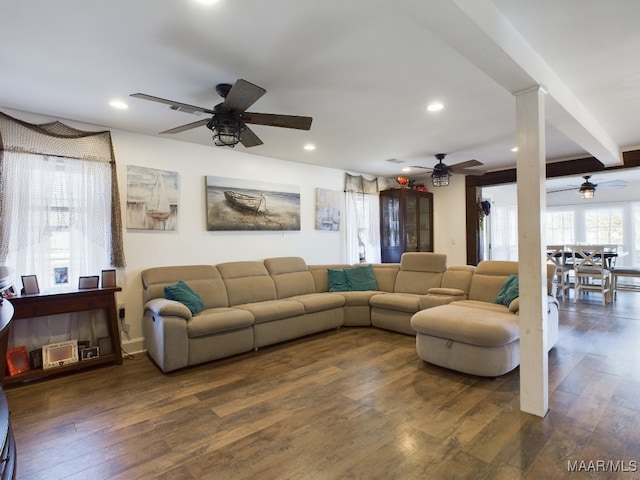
[152, 198]
[235, 204]
[252, 203]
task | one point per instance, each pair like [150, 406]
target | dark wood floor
[353, 403]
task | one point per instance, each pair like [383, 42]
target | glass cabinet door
[411, 223]
[390, 210]
[424, 224]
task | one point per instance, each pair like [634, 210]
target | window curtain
[59, 202]
[362, 219]
[34, 159]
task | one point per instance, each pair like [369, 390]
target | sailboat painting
[152, 198]
[328, 209]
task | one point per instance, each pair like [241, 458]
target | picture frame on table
[89, 353]
[108, 278]
[59, 354]
[35, 358]
[17, 360]
[30, 285]
[88, 282]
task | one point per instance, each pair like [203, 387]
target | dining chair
[557, 255]
[590, 271]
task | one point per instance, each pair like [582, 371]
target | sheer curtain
[362, 219]
[60, 218]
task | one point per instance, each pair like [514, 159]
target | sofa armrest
[168, 308]
[453, 292]
[441, 296]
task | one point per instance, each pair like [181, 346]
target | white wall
[449, 220]
[192, 243]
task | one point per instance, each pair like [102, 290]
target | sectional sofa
[247, 305]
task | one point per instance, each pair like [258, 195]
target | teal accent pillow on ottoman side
[509, 291]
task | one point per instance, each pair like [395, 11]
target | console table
[7, 442]
[42, 304]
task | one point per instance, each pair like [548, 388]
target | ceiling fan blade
[249, 139]
[467, 164]
[275, 120]
[421, 167]
[467, 171]
[188, 126]
[179, 106]
[242, 95]
[612, 184]
[564, 190]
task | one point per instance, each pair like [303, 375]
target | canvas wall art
[234, 204]
[152, 198]
[328, 209]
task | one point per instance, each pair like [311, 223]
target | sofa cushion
[467, 324]
[488, 278]
[205, 280]
[247, 282]
[509, 291]
[216, 320]
[180, 292]
[319, 302]
[270, 310]
[401, 302]
[420, 271]
[291, 276]
[358, 298]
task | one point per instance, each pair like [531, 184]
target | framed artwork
[35, 358]
[152, 198]
[105, 346]
[60, 275]
[17, 360]
[89, 353]
[88, 282]
[328, 209]
[30, 284]
[108, 278]
[234, 204]
[59, 354]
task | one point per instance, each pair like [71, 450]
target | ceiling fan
[588, 189]
[441, 172]
[229, 119]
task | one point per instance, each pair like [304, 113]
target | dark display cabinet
[406, 223]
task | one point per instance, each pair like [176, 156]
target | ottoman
[481, 341]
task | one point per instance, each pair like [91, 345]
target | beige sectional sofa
[252, 304]
[476, 335]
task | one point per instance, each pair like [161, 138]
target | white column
[530, 129]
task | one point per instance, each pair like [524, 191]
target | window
[362, 220]
[603, 225]
[560, 227]
[59, 212]
[504, 232]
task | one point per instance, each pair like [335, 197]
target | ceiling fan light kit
[587, 189]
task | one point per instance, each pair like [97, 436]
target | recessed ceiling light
[207, 2]
[406, 169]
[309, 147]
[435, 107]
[514, 149]
[119, 104]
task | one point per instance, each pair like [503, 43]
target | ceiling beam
[478, 31]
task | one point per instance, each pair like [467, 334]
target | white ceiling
[364, 70]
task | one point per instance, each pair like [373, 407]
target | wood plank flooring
[355, 403]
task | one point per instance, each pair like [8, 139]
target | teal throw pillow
[181, 292]
[509, 291]
[361, 278]
[337, 280]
